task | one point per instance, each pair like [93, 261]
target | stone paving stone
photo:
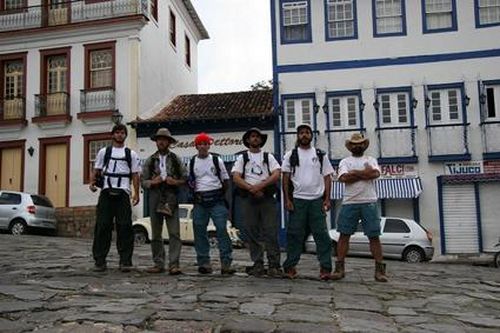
[361, 321]
[181, 326]
[305, 313]
[9, 326]
[7, 306]
[136, 318]
[257, 309]
[481, 321]
[26, 293]
[301, 328]
[400, 311]
[247, 325]
[195, 315]
[357, 302]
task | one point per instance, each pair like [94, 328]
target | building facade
[421, 79]
[69, 70]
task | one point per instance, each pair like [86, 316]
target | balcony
[490, 134]
[96, 105]
[13, 112]
[397, 144]
[448, 142]
[65, 13]
[52, 110]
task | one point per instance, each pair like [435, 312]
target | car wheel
[413, 255]
[18, 227]
[140, 236]
[497, 260]
[334, 248]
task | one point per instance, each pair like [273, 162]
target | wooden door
[12, 169]
[56, 173]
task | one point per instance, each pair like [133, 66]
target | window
[13, 4]
[295, 22]
[492, 102]
[394, 109]
[188, 51]
[389, 17]
[172, 29]
[340, 19]
[183, 213]
[57, 71]
[92, 144]
[297, 111]
[487, 12]
[344, 112]
[101, 68]
[396, 226]
[38, 200]
[439, 15]
[445, 106]
[7, 198]
[13, 89]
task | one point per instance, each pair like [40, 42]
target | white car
[402, 239]
[143, 233]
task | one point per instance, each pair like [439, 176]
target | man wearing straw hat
[359, 203]
[162, 174]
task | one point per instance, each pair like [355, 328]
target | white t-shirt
[255, 170]
[362, 191]
[206, 174]
[163, 166]
[118, 167]
[307, 181]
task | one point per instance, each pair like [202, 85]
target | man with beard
[115, 166]
[359, 203]
[256, 174]
[162, 174]
[308, 171]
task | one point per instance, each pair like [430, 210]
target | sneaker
[324, 274]
[256, 270]
[291, 273]
[205, 270]
[174, 271]
[275, 272]
[155, 270]
[227, 270]
[99, 268]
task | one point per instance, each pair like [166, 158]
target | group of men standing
[306, 176]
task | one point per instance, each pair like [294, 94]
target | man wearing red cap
[208, 179]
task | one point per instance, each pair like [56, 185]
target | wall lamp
[482, 98]
[376, 104]
[361, 105]
[467, 100]
[414, 103]
[31, 151]
[427, 102]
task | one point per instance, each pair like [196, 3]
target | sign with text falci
[398, 171]
[463, 168]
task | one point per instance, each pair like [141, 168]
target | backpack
[269, 190]
[113, 174]
[294, 162]
[215, 161]
[192, 182]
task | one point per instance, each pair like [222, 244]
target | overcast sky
[238, 53]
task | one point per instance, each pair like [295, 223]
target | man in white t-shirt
[359, 203]
[309, 171]
[208, 179]
[115, 167]
[256, 173]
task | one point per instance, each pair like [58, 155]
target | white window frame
[292, 18]
[390, 114]
[346, 113]
[100, 70]
[496, 100]
[59, 74]
[382, 29]
[488, 12]
[332, 22]
[440, 105]
[296, 113]
[13, 81]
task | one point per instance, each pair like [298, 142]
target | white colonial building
[421, 78]
[69, 69]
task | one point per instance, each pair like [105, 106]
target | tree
[262, 85]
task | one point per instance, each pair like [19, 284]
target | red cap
[203, 138]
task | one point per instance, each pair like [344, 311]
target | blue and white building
[421, 79]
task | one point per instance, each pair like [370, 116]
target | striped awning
[401, 188]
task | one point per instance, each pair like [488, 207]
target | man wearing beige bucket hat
[359, 203]
[162, 174]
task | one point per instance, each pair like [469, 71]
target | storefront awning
[402, 188]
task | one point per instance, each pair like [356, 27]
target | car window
[394, 225]
[183, 213]
[41, 201]
[7, 198]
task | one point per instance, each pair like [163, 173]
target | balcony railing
[12, 108]
[95, 100]
[69, 12]
[54, 104]
[448, 142]
[490, 133]
[397, 143]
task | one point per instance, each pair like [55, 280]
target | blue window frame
[487, 13]
[341, 21]
[439, 16]
[389, 18]
[295, 21]
[489, 105]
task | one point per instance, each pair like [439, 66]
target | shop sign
[398, 171]
[463, 168]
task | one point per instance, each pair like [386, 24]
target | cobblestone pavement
[47, 285]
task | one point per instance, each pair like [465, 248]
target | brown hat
[357, 138]
[263, 136]
[163, 132]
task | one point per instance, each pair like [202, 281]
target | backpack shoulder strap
[191, 167]
[294, 159]
[215, 160]
[266, 162]
[128, 158]
[245, 161]
[320, 154]
[107, 157]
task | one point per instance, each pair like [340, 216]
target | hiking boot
[164, 209]
[325, 274]
[291, 273]
[256, 270]
[339, 272]
[227, 270]
[380, 272]
[99, 268]
[155, 270]
[205, 269]
[275, 272]
[174, 271]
